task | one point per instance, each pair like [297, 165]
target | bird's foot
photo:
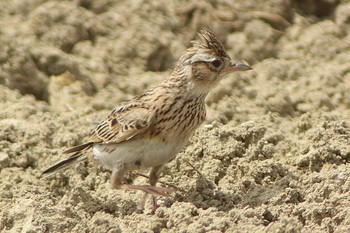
[152, 190]
[157, 191]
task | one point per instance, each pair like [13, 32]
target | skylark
[150, 129]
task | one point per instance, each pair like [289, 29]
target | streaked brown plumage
[149, 130]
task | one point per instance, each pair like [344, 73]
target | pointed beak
[237, 66]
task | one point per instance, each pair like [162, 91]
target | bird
[150, 129]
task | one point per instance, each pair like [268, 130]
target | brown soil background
[274, 156]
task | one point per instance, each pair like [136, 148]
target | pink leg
[116, 180]
[153, 178]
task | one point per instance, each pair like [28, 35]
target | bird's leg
[116, 180]
[153, 179]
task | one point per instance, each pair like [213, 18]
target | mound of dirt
[274, 153]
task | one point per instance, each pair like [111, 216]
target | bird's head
[207, 61]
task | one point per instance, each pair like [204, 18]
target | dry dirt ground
[273, 157]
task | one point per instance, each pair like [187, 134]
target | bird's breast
[178, 120]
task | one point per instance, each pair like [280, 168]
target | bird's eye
[216, 63]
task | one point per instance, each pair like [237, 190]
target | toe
[159, 191]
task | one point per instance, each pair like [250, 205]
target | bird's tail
[77, 156]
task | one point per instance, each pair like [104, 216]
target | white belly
[136, 154]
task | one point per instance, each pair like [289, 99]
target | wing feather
[123, 124]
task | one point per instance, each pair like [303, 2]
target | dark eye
[216, 63]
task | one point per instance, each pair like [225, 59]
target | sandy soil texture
[274, 154]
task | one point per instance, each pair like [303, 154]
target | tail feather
[79, 148]
[77, 157]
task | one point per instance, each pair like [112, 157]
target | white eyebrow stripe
[200, 58]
